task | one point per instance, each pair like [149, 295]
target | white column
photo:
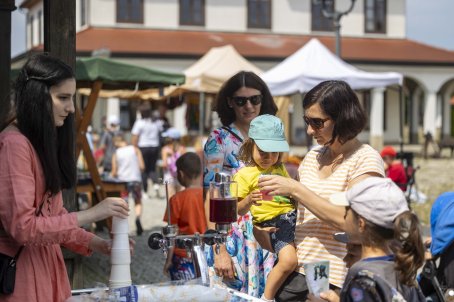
[376, 119]
[430, 112]
[113, 107]
[179, 119]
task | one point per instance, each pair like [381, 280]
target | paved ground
[433, 177]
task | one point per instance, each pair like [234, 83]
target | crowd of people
[342, 213]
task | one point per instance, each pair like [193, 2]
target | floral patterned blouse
[252, 264]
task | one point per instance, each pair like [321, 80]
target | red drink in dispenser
[223, 200]
[223, 210]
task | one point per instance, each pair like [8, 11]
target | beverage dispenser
[223, 202]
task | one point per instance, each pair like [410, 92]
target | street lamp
[335, 16]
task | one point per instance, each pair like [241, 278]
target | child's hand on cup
[255, 197]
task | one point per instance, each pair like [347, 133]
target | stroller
[437, 279]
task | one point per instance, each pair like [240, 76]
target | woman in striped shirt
[334, 118]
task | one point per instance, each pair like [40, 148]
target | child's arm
[168, 263]
[252, 199]
[114, 165]
[164, 155]
[140, 158]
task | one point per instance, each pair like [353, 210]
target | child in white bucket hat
[262, 154]
[392, 248]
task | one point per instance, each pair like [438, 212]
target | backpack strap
[233, 133]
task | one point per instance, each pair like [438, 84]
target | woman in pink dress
[36, 163]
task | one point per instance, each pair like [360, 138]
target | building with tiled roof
[173, 34]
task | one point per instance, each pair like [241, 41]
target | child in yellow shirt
[262, 154]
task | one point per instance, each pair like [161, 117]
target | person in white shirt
[127, 166]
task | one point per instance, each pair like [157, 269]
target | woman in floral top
[241, 262]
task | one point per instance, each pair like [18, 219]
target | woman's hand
[111, 206]
[99, 245]
[223, 265]
[278, 185]
[330, 296]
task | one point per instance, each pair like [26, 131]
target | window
[192, 12]
[320, 22]
[130, 11]
[375, 16]
[83, 12]
[259, 14]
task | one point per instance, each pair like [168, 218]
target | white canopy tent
[314, 63]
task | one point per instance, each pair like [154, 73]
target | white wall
[102, 12]
[288, 16]
[222, 15]
[161, 14]
[291, 16]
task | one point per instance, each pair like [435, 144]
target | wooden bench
[447, 142]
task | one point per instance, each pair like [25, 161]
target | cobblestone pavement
[433, 177]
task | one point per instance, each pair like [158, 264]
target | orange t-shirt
[187, 211]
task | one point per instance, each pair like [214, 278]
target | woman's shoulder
[225, 133]
[14, 138]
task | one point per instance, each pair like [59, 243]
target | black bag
[8, 272]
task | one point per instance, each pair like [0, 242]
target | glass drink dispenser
[223, 201]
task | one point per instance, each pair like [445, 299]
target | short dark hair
[190, 164]
[242, 79]
[35, 119]
[245, 154]
[341, 104]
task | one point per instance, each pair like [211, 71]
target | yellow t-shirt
[247, 179]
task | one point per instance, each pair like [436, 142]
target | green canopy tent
[99, 73]
[107, 74]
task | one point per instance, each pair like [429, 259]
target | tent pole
[201, 113]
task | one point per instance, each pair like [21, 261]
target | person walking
[146, 135]
[127, 166]
[36, 163]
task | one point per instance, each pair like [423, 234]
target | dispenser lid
[222, 177]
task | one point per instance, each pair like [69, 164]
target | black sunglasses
[316, 123]
[240, 101]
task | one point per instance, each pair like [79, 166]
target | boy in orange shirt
[186, 211]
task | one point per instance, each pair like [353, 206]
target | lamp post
[336, 17]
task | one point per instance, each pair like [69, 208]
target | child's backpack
[370, 287]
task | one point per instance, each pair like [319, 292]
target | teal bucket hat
[267, 131]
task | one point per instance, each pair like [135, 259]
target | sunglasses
[316, 123]
[240, 101]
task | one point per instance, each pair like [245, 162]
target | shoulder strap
[233, 133]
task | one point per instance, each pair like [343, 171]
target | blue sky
[430, 22]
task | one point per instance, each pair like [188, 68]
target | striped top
[314, 238]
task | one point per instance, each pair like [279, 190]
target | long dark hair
[35, 119]
[242, 79]
[340, 103]
[405, 241]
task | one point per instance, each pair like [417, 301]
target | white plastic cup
[119, 283]
[120, 241]
[120, 225]
[120, 256]
[120, 273]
